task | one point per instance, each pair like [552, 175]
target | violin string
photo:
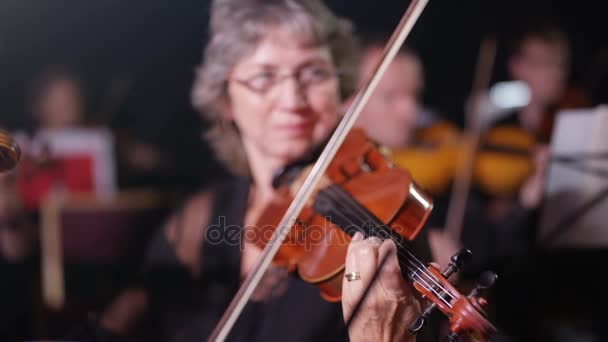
[414, 269]
[417, 277]
[370, 218]
[407, 255]
[346, 199]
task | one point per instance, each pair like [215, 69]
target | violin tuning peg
[419, 323]
[457, 262]
[485, 281]
[462, 257]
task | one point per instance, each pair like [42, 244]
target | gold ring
[352, 276]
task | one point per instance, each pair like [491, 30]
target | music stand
[576, 192]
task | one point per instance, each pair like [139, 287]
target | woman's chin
[291, 152]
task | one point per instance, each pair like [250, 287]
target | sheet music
[95, 142]
[576, 133]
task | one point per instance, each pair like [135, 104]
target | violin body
[502, 162]
[433, 157]
[359, 178]
[363, 192]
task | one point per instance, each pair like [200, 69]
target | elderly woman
[272, 82]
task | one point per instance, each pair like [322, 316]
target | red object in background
[74, 173]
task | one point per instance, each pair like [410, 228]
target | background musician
[540, 58]
[393, 110]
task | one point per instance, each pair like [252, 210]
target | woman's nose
[291, 95]
[407, 107]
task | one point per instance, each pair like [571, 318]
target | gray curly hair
[236, 28]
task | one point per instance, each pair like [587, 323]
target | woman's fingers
[361, 264]
[389, 306]
[390, 278]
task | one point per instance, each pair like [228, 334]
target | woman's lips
[294, 128]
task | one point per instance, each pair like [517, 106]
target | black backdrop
[156, 45]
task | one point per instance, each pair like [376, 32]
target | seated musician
[63, 152]
[272, 82]
[539, 58]
[56, 100]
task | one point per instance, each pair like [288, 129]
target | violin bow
[223, 328]
[462, 181]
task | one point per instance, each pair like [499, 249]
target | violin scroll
[466, 313]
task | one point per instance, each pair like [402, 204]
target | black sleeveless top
[184, 309]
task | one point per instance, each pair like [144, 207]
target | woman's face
[283, 98]
[392, 110]
[60, 105]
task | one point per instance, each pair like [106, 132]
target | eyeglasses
[266, 82]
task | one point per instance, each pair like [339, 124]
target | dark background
[155, 45]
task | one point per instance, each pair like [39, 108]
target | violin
[363, 192]
[10, 153]
[502, 162]
[498, 160]
[432, 157]
[351, 187]
[504, 159]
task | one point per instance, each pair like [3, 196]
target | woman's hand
[531, 193]
[390, 306]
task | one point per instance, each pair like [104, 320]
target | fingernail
[375, 240]
[390, 245]
[357, 237]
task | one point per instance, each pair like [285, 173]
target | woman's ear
[226, 110]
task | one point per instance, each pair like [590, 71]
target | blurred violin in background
[502, 161]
